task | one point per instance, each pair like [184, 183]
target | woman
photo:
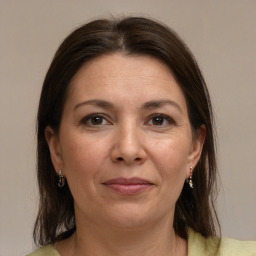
[126, 157]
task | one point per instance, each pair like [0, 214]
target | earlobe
[197, 147]
[54, 148]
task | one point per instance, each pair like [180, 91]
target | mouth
[131, 186]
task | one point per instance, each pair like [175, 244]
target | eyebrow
[160, 103]
[98, 103]
[147, 105]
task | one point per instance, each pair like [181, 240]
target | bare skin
[127, 244]
[124, 121]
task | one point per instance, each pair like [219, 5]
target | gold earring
[61, 179]
[190, 181]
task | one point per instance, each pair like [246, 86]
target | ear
[54, 147]
[196, 148]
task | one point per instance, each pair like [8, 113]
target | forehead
[117, 76]
[111, 65]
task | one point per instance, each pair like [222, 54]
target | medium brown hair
[130, 36]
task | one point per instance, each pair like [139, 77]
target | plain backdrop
[222, 36]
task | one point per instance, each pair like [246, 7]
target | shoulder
[47, 250]
[211, 246]
[234, 247]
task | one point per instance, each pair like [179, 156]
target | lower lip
[129, 189]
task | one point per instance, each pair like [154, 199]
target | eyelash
[164, 117]
[88, 118]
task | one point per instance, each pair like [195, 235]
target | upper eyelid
[167, 118]
[107, 118]
[94, 115]
[161, 115]
[88, 117]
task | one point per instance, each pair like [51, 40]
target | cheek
[83, 160]
[82, 157]
[171, 157]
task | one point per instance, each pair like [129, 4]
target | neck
[157, 239]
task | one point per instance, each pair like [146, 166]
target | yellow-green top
[197, 246]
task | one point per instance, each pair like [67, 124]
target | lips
[130, 186]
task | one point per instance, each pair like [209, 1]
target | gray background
[221, 34]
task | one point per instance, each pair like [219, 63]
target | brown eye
[97, 120]
[158, 120]
[94, 120]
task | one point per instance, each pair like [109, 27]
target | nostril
[120, 159]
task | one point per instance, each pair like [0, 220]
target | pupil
[158, 121]
[96, 120]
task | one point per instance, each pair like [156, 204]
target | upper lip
[127, 181]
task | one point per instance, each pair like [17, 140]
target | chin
[129, 217]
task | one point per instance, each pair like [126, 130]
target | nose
[128, 146]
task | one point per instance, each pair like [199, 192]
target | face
[125, 143]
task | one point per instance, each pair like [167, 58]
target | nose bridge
[128, 136]
[129, 147]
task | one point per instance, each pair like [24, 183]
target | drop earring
[190, 181]
[61, 180]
